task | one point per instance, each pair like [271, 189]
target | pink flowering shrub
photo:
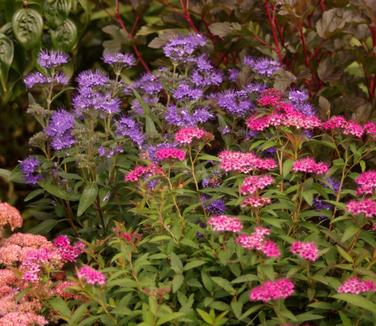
[203, 198]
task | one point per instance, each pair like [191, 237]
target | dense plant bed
[202, 196]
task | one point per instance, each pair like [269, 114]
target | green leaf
[6, 58]
[27, 26]
[169, 317]
[224, 284]
[177, 282]
[176, 263]
[357, 300]
[349, 232]
[346, 321]
[58, 192]
[64, 37]
[205, 316]
[344, 254]
[237, 307]
[44, 227]
[87, 198]
[60, 306]
[245, 278]
[287, 166]
[194, 264]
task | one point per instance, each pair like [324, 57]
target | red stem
[305, 52]
[130, 37]
[187, 16]
[274, 32]
[322, 5]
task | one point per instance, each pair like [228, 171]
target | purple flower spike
[29, 168]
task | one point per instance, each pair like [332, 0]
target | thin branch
[274, 32]
[130, 36]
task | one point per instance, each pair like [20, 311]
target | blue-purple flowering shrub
[205, 196]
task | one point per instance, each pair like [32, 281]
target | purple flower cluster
[187, 92]
[59, 129]
[234, 102]
[214, 207]
[299, 98]
[181, 48]
[148, 84]
[119, 59]
[29, 168]
[51, 59]
[181, 117]
[127, 127]
[92, 94]
[263, 66]
[36, 78]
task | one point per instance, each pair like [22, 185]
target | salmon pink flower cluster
[365, 206]
[223, 223]
[366, 183]
[253, 183]
[306, 250]
[244, 162]
[354, 285]
[10, 215]
[171, 153]
[187, 135]
[256, 240]
[272, 290]
[308, 165]
[91, 275]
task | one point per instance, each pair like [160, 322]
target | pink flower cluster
[272, 290]
[308, 165]
[91, 276]
[253, 183]
[10, 215]
[351, 128]
[170, 153]
[365, 206]
[22, 319]
[141, 171]
[244, 162]
[355, 285]
[186, 135]
[366, 183]
[256, 201]
[68, 252]
[257, 241]
[306, 250]
[223, 223]
[269, 97]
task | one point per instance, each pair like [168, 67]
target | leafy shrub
[235, 203]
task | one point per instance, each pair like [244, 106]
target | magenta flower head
[365, 206]
[223, 223]
[366, 183]
[355, 285]
[91, 275]
[163, 154]
[308, 165]
[306, 250]
[186, 135]
[272, 290]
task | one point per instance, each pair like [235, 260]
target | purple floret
[50, 59]
[59, 129]
[126, 59]
[186, 92]
[29, 168]
[35, 78]
[148, 84]
[90, 78]
[236, 103]
[263, 66]
[181, 117]
[127, 127]
[181, 48]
